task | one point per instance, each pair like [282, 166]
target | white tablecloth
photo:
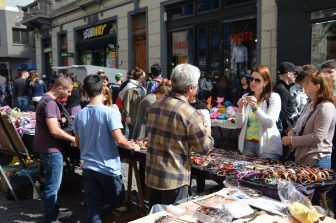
[223, 124]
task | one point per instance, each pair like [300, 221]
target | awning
[26, 66]
[97, 43]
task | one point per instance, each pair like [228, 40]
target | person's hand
[287, 140]
[207, 129]
[291, 133]
[241, 103]
[128, 120]
[252, 101]
[136, 147]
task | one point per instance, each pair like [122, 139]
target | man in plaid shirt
[175, 128]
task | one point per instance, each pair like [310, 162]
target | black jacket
[20, 87]
[115, 88]
[287, 108]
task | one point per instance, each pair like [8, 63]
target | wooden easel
[11, 143]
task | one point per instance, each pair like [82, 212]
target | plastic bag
[288, 193]
[298, 205]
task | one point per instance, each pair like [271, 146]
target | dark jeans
[53, 170]
[167, 196]
[35, 104]
[103, 193]
[332, 192]
[2, 101]
[22, 103]
[333, 158]
[8, 100]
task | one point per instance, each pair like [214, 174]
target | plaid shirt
[174, 129]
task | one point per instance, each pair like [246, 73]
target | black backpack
[68, 126]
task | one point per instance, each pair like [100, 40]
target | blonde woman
[107, 96]
[37, 88]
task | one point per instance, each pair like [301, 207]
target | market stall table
[135, 157]
[225, 206]
[222, 126]
[262, 174]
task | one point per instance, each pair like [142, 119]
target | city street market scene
[167, 111]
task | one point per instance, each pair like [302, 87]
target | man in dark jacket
[286, 73]
[20, 91]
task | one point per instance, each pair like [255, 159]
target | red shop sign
[241, 37]
[181, 45]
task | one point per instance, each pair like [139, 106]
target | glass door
[215, 34]
[182, 47]
[98, 58]
[202, 47]
[239, 49]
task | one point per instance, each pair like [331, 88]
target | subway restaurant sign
[98, 30]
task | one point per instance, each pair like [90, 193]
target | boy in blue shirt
[98, 135]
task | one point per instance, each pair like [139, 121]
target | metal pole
[3, 175]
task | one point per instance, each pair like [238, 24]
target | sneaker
[63, 215]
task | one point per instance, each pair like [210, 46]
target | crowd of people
[294, 120]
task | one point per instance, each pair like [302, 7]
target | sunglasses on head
[257, 80]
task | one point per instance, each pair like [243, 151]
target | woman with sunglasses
[258, 112]
[313, 133]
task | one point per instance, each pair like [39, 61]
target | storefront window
[239, 49]
[180, 11]
[97, 45]
[202, 38]
[207, 5]
[215, 50]
[112, 56]
[182, 47]
[323, 42]
[235, 2]
[86, 57]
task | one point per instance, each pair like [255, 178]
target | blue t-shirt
[94, 125]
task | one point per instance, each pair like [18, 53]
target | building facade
[16, 43]
[221, 37]
[306, 31]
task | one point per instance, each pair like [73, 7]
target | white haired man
[174, 128]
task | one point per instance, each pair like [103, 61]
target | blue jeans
[103, 193]
[325, 162]
[271, 156]
[53, 170]
[251, 148]
[23, 103]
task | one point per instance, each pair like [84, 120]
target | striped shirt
[252, 128]
[174, 129]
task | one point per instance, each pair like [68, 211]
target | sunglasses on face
[256, 80]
